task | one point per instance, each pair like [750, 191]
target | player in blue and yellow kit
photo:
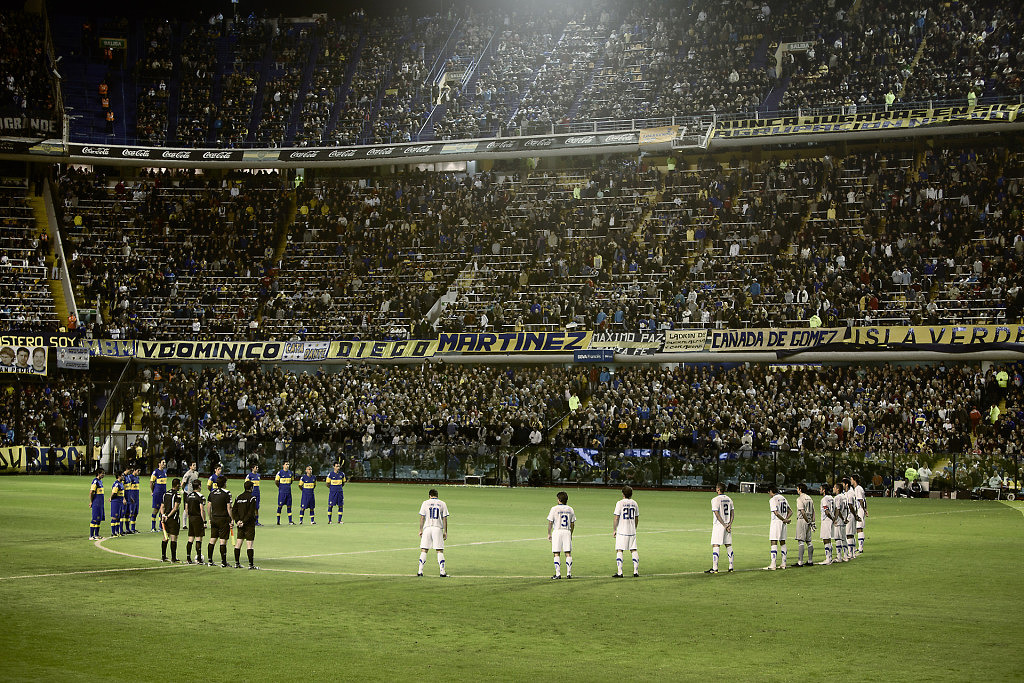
[336, 491]
[158, 487]
[96, 503]
[284, 491]
[307, 483]
[117, 506]
[211, 483]
[131, 500]
[254, 477]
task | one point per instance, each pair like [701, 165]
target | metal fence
[650, 466]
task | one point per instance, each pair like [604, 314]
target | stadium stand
[26, 305]
[141, 252]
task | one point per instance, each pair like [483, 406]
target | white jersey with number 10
[433, 512]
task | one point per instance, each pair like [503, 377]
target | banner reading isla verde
[942, 335]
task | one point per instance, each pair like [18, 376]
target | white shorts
[803, 531]
[719, 536]
[432, 539]
[860, 522]
[561, 541]
[777, 531]
[826, 531]
[623, 542]
[851, 527]
[839, 532]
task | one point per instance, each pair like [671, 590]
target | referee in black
[245, 524]
[218, 511]
[170, 519]
[195, 508]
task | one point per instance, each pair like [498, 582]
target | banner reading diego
[413, 348]
[22, 359]
[760, 339]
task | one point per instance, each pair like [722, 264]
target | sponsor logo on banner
[953, 335]
[619, 138]
[380, 151]
[774, 339]
[539, 142]
[12, 459]
[75, 358]
[685, 341]
[96, 151]
[179, 154]
[341, 154]
[425, 149]
[594, 356]
[135, 153]
[514, 342]
[905, 119]
[309, 154]
[626, 340]
[581, 140]
[23, 359]
[218, 155]
[500, 146]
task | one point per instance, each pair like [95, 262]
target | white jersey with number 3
[562, 517]
[627, 511]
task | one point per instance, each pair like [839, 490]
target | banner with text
[904, 119]
[12, 459]
[627, 340]
[23, 359]
[685, 341]
[774, 339]
[53, 459]
[73, 358]
[951, 335]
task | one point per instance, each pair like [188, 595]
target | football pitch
[939, 593]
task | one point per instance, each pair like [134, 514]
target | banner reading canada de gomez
[774, 339]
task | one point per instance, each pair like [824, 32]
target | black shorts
[247, 532]
[196, 527]
[220, 527]
[172, 527]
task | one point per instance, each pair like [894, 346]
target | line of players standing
[844, 510]
[217, 507]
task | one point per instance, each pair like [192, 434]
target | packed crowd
[875, 238]
[26, 75]
[143, 256]
[365, 80]
[26, 305]
[54, 412]
[371, 414]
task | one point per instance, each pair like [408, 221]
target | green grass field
[938, 594]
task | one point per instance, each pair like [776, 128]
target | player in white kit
[862, 509]
[839, 523]
[804, 526]
[828, 514]
[433, 530]
[561, 523]
[853, 515]
[723, 515]
[781, 514]
[627, 516]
